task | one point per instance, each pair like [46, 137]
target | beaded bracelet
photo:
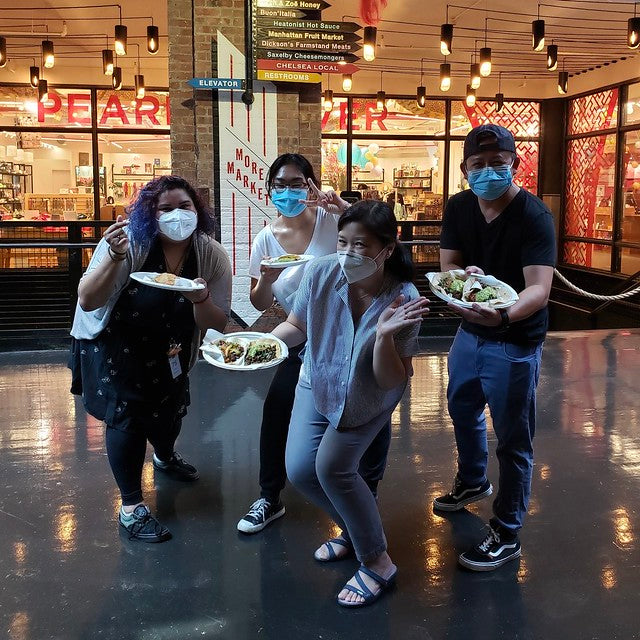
[113, 253]
[204, 299]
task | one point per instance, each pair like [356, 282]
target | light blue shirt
[338, 357]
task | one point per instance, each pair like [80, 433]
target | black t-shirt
[522, 235]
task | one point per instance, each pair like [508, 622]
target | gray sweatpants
[322, 463]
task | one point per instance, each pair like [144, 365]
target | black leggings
[276, 415]
[126, 451]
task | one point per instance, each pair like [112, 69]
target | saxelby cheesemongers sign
[283, 31]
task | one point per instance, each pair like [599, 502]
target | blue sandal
[333, 557]
[364, 591]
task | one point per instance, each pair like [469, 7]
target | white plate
[283, 265]
[432, 276]
[182, 284]
[213, 356]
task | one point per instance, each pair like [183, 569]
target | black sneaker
[261, 513]
[492, 552]
[177, 468]
[141, 525]
[461, 495]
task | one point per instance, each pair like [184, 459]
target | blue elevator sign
[216, 83]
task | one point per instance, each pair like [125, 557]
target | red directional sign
[313, 67]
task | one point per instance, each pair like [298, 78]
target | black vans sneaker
[260, 514]
[492, 552]
[177, 468]
[141, 525]
[461, 495]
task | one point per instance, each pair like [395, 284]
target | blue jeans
[504, 376]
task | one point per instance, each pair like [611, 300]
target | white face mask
[357, 267]
[178, 224]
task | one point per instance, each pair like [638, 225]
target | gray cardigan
[213, 265]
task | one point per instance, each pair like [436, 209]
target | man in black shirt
[496, 228]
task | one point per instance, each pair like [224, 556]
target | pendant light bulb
[499, 101]
[116, 78]
[445, 76]
[446, 39]
[34, 76]
[327, 100]
[43, 90]
[139, 84]
[347, 82]
[121, 40]
[552, 57]
[153, 39]
[381, 99]
[107, 62]
[537, 32]
[563, 82]
[485, 61]
[369, 44]
[471, 96]
[633, 33]
[48, 55]
[3, 51]
[421, 96]
[475, 77]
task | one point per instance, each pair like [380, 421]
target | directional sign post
[303, 5]
[289, 76]
[217, 83]
[308, 67]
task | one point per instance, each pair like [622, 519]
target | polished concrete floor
[66, 573]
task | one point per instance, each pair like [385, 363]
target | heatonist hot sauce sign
[291, 47]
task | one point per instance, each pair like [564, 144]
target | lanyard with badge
[174, 359]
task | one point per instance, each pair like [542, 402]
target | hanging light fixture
[499, 95]
[552, 57]
[107, 61]
[445, 76]
[369, 44]
[347, 82]
[485, 54]
[381, 97]
[48, 55]
[121, 39]
[3, 51]
[116, 78]
[474, 75]
[153, 39]
[34, 76]
[421, 90]
[446, 36]
[139, 78]
[633, 30]
[43, 90]
[537, 33]
[471, 96]
[327, 100]
[563, 82]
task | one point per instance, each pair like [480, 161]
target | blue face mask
[491, 182]
[288, 202]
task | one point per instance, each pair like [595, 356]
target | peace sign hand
[324, 199]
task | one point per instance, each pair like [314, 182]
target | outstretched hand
[116, 237]
[324, 199]
[397, 315]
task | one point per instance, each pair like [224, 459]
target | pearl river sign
[291, 47]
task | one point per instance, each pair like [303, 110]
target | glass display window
[630, 188]
[336, 119]
[398, 117]
[521, 118]
[594, 112]
[587, 254]
[121, 110]
[631, 114]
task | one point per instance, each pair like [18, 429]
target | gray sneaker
[260, 514]
[141, 525]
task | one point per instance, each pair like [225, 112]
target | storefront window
[334, 165]
[336, 120]
[631, 188]
[121, 110]
[631, 113]
[595, 112]
[521, 118]
[585, 254]
[399, 117]
[130, 161]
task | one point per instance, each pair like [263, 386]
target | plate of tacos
[286, 260]
[243, 350]
[466, 290]
[168, 281]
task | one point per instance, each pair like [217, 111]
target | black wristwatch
[506, 322]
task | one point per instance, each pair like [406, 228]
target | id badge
[174, 364]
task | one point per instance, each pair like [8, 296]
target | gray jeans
[322, 463]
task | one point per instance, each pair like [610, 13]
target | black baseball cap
[488, 137]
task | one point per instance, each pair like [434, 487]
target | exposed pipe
[39, 34]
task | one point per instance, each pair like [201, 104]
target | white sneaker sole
[244, 526]
[487, 566]
[440, 506]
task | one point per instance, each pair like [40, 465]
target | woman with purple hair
[133, 345]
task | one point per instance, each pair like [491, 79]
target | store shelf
[17, 180]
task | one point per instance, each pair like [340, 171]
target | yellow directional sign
[289, 76]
